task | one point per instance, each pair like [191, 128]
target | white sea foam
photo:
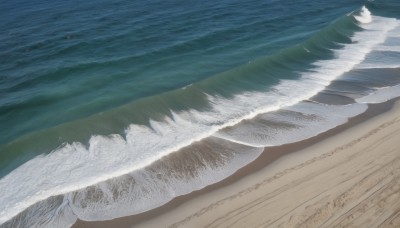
[149, 188]
[381, 95]
[75, 166]
[386, 54]
[382, 57]
[145, 188]
[55, 212]
[365, 16]
[298, 122]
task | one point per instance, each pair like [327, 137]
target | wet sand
[349, 175]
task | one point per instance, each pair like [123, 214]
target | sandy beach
[348, 178]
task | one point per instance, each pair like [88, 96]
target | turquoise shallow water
[95, 96]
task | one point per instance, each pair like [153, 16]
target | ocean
[114, 108]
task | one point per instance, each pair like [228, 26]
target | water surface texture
[113, 108]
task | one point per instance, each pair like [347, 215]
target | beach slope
[351, 179]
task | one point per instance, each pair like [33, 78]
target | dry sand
[350, 179]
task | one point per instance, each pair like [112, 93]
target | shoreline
[267, 160]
